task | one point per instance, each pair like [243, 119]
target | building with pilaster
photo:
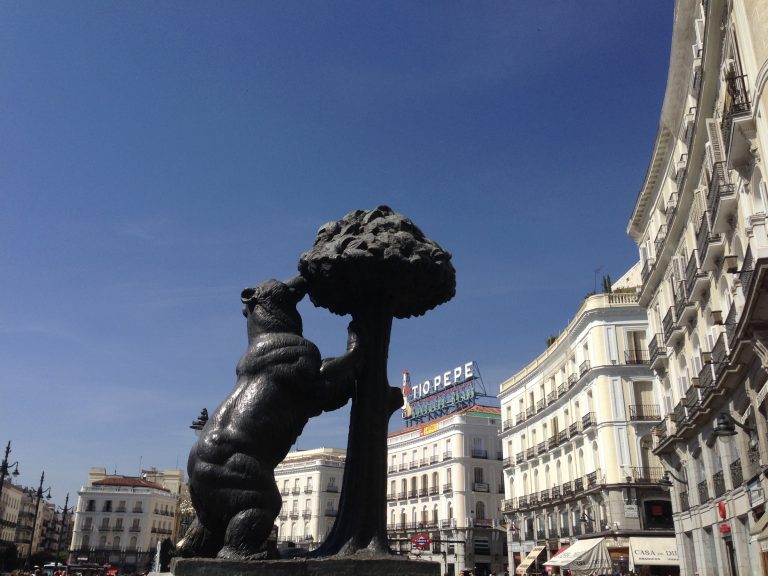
[445, 482]
[700, 225]
[120, 519]
[577, 438]
[10, 507]
[310, 483]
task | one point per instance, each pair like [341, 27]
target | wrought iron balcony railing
[644, 412]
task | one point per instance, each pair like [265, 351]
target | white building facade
[10, 507]
[445, 481]
[120, 519]
[700, 225]
[577, 437]
[310, 483]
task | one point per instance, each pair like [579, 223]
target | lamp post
[39, 495]
[4, 466]
[63, 527]
[666, 483]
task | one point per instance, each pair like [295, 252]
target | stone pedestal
[351, 566]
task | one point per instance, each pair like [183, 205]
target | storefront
[529, 560]
[649, 555]
[584, 557]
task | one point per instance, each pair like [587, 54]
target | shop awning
[758, 530]
[528, 560]
[584, 557]
[649, 551]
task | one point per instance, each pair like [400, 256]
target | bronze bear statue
[281, 383]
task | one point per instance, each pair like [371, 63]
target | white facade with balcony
[576, 437]
[445, 481]
[310, 484]
[120, 519]
[700, 224]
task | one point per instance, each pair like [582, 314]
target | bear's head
[271, 306]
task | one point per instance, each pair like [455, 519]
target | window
[478, 475]
[107, 506]
[309, 485]
[480, 511]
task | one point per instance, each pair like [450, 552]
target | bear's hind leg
[198, 542]
[247, 535]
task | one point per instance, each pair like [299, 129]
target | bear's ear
[248, 295]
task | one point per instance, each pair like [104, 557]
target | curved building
[577, 440]
[700, 224]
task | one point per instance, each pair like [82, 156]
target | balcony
[679, 414]
[562, 389]
[413, 493]
[447, 456]
[588, 420]
[658, 242]
[718, 481]
[306, 513]
[647, 474]
[402, 495]
[520, 417]
[540, 405]
[331, 513]
[703, 492]
[530, 453]
[477, 453]
[434, 490]
[731, 322]
[709, 245]
[706, 382]
[390, 470]
[692, 401]
[507, 424]
[574, 429]
[578, 485]
[391, 497]
[530, 412]
[592, 479]
[721, 198]
[737, 475]
[402, 467]
[644, 412]
[413, 464]
[296, 490]
[448, 523]
[685, 310]
[551, 397]
[520, 457]
[332, 488]
[637, 357]
[447, 488]
[544, 496]
[572, 379]
[508, 462]
[696, 280]
[584, 368]
[671, 209]
[736, 104]
[720, 354]
[423, 492]
[508, 505]
[647, 269]
[562, 436]
[553, 441]
[657, 352]
[672, 330]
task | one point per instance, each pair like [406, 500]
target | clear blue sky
[158, 157]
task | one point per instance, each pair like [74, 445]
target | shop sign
[631, 511]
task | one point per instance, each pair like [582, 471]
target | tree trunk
[361, 521]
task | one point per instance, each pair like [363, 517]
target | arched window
[133, 542]
[436, 482]
[116, 542]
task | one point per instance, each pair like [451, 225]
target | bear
[281, 383]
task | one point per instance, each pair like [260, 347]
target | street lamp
[63, 527]
[4, 465]
[40, 493]
[666, 483]
[726, 426]
[199, 422]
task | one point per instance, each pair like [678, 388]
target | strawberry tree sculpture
[375, 265]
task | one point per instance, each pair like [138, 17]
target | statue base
[341, 566]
